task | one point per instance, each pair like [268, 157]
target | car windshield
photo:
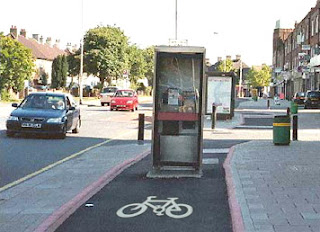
[314, 94]
[301, 94]
[124, 93]
[43, 102]
[109, 90]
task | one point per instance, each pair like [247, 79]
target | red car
[125, 99]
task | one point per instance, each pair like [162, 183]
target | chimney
[228, 57]
[35, 37]
[219, 58]
[238, 57]
[48, 41]
[57, 44]
[41, 40]
[69, 47]
[14, 31]
[23, 33]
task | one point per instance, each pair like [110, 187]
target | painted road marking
[253, 127]
[168, 207]
[216, 151]
[12, 184]
[210, 161]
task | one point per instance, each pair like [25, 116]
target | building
[296, 61]
[237, 65]
[44, 52]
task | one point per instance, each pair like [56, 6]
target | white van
[106, 94]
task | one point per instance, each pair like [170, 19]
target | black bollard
[141, 127]
[288, 111]
[295, 127]
[213, 117]
[268, 104]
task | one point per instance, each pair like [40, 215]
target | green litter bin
[293, 107]
[281, 130]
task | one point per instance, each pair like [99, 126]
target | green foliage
[44, 78]
[64, 71]
[5, 95]
[16, 64]
[105, 52]
[74, 64]
[148, 54]
[136, 62]
[259, 78]
[225, 66]
[59, 72]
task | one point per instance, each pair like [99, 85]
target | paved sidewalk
[277, 188]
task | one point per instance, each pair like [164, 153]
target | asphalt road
[23, 155]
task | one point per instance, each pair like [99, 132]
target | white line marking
[216, 150]
[254, 127]
[210, 161]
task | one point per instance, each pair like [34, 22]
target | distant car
[299, 98]
[124, 100]
[106, 95]
[45, 113]
[312, 100]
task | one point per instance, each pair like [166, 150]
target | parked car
[299, 98]
[45, 113]
[124, 100]
[312, 100]
[106, 94]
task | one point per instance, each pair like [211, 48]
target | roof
[41, 51]
[235, 63]
[49, 94]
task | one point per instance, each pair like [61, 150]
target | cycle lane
[206, 196]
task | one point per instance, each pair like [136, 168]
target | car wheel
[77, 129]
[102, 104]
[132, 110]
[136, 107]
[63, 134]
[9, 133]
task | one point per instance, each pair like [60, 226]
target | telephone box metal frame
[177, 136]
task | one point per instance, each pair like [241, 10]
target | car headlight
[13, 118]
[113, 101]
[129, 102]
[55, 120]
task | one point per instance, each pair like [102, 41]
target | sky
[224, 27]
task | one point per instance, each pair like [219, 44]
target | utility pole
[240, 80]
[81, 57]
[176, 30]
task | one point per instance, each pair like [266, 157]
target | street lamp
[81, 57]
[240, 80]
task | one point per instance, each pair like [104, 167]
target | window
[317, 24]
[312, 27]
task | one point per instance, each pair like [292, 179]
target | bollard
[295, 127]
[288, 111]
[141, 127]
[268, 104]
[213, 117]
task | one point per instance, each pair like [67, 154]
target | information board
[219, 93]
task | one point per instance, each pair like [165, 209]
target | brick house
[43, 52]
[296, 61]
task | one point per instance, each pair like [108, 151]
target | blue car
[45, 113]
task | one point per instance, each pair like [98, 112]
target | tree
[59, 72]
[225, 66]
[64, 71]
[137, 64]
[56, 72]
[105, 52]
[73, 66]
[148, 54]
[259, 78]
[16, 64]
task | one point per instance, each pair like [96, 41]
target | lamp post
[81, 57]
[176, 21]
[240, 80]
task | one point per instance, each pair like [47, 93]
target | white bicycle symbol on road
[169, 207]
